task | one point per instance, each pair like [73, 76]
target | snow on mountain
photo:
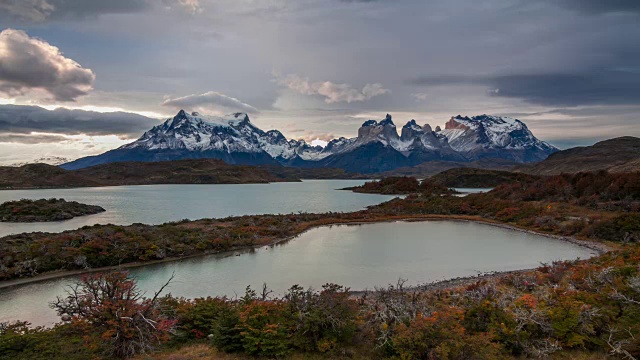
[230, 133]
[494, 136]
[51, 160]
[195, 132]
[233, 138]
[413, 137]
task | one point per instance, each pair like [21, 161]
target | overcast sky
[314, 69]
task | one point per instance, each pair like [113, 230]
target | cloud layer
[540, 61]
[29, 64]
[18, 121]
[209, 102]
[332, 92]
[601, 6]
[31, 10]
[596, 87]
[41, 10]
[38, 11]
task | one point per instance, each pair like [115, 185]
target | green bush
[621, 228]
[18, 341]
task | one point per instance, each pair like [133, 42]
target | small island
[44, 210]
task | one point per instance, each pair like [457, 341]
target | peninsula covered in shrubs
[401, 185]
[42, 210]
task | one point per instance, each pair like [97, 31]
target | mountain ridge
[621, 154]
[378, 146]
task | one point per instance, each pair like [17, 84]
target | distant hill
[615, 155]
[479, 178]
[313, 173]
[201, 171]
[430, 168]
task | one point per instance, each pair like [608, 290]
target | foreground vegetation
[562, 309]
[574, 309]
[44, 210]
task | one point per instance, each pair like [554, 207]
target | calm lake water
[358, 256]
[157, 204]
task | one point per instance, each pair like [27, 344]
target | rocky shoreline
[452, 283]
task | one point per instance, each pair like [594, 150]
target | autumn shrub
[442, 336]
[214, 318]
[624, 227]
[111, 313]
[323, 321]
[265, 328]
[484, 316]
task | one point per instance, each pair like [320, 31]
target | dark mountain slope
[615, 155]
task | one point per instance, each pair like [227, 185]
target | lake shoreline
[598, 247]
[123, 185]
[446, 284]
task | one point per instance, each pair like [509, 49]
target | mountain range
[377, 148]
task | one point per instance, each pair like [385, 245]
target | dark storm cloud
[28, 64]
[598, 87]
[16, 119]
[611, 87]
[42, 10]
[83, 8]
[600, 6]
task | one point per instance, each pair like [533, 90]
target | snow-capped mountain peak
[196, 132]
[411, 129]
[491, 135]
[378, 147]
